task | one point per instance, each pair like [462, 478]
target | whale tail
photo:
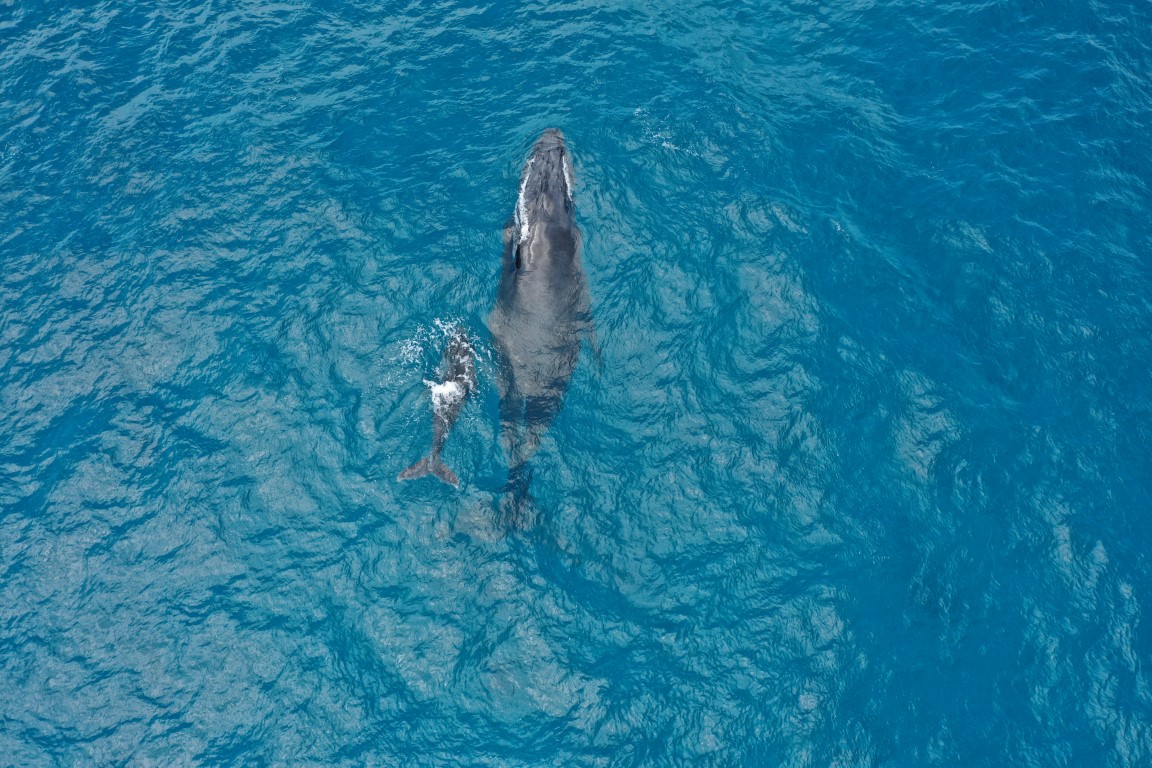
[517, 507]
[430, 465]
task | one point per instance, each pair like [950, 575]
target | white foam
[444, 394]
[521, 211]
[410, 351]
[446, 327]
[567, 175]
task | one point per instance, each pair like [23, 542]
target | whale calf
[542, 312]
[457, 383]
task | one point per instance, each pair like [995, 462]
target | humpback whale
[457, 382]
[542, 313]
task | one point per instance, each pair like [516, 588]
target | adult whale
[542, 313]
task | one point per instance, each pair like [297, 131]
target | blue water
[861, 478]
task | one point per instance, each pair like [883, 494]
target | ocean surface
[861, 476]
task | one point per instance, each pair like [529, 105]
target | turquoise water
[861, 477]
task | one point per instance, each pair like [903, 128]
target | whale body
[457, 383]
[542, 311]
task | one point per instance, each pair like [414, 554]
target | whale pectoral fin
[509, 242]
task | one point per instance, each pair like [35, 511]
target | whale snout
[546, 184]
[550, 148]
[552, 138]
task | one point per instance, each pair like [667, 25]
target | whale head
[545, 186]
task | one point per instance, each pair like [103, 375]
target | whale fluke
[517, 507]
[430, 465]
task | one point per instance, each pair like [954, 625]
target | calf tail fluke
[430, 465]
